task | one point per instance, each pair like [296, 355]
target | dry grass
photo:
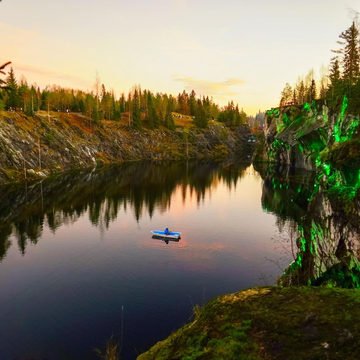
[112, 351]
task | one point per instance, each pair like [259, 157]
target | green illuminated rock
[297, 135]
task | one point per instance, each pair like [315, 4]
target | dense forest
[341, 78]
[139, 107]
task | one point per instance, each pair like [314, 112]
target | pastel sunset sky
[231, 50]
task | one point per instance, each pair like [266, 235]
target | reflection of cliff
[285, 191]
[328, 141]
[328, 219]
[336, 217]
[143, 187]
[329, 246]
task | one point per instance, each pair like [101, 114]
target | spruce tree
[169, 121]
[150, 111]
[192, 103]
[136, 112]
[23, 94]
[312, 91]
[350, 53]
[200, 118]
[335, 85]
[12, 87]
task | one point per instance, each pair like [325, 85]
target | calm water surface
[76, 249]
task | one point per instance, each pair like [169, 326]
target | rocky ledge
[269, 323]
[33, 147]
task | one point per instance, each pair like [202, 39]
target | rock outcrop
[296, 135]
[269, 323]
[46, 144]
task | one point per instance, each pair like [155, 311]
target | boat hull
[172, 235]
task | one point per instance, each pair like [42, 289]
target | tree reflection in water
[139, 187]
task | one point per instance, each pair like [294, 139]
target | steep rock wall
[44, 144]
[296, 135]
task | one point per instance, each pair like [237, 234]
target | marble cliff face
[312, 137]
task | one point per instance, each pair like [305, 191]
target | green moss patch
[271, 323]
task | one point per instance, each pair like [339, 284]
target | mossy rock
[270, 323]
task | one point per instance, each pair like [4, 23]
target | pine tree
[136, 112]
[200, 118]
[312, 91]
[335, 85]
[192, 103]
[150, 111]
[350, 53]
[23, 93]
[122, 103]
[169, 121]
[12, 88]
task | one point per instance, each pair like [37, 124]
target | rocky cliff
[316, 138]
[269, 323]
[43, 144]
[296, 135]
[291, 322]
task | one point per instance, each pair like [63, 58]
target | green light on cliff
[352, 128]
[327, 169]
[303, 243]
[338, 125]
[344, 106]
[307, 107]
[298, 261]
[286, 120]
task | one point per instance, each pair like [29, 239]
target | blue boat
[169, 235]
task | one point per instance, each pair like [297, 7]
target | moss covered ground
[270, 323]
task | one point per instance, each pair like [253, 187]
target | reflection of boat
[166, 240]
[170, 235]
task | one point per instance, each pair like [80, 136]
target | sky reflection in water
[77, 248]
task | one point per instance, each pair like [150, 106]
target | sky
[245, 51]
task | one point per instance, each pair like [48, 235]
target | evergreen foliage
[231, 115]
[169, 121]
[102, 104]
[12, 88]
[200, 120]
[350, 54]
[136, 111]
[342, 78]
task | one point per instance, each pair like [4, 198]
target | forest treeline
[141, 107]
[341, 78]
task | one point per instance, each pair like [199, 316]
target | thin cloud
[50, 74]
[212, 88]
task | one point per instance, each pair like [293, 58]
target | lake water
[77, 249]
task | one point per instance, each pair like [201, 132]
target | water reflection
[140, 188]
[325, 227]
